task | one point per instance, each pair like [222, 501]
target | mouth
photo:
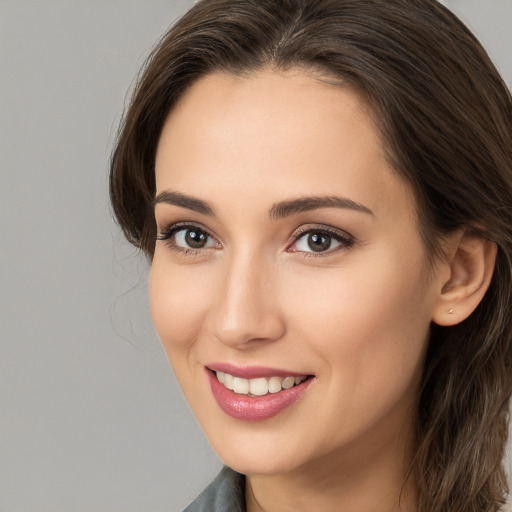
[256, 394]
[260, 386]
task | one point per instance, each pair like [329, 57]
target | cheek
[366, 330]
[178, 302]
[365, 322]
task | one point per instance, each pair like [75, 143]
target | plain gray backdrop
[91, 418]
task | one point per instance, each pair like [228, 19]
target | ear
[469, 267]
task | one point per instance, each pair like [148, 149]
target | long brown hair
[445, 117]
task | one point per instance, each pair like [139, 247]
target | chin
[259, 453]
[259, 464]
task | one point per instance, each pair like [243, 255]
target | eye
[320, 241]
[187, 237]
[193, 238]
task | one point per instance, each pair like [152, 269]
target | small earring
[450, 312]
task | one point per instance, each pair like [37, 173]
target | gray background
[90, 415]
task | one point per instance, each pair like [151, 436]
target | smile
[260, 386]
[256, 394]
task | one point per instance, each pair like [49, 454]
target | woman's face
[289, 251]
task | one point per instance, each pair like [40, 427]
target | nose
[247, 312]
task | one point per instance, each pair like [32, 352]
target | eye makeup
[311, 240]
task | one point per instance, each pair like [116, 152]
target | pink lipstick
[251, 372]
[247, 407]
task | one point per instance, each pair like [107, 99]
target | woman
[324, 189]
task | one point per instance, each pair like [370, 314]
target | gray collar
[225, 494]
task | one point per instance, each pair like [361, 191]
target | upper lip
[252, 372]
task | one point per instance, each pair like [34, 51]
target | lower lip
[255, 408]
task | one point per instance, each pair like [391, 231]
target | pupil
[196, 239]
[319, 242]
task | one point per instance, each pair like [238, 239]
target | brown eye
[316, 241]
[195, 238]
[188, 237]
[319, 242]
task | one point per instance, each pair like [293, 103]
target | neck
[371, 479]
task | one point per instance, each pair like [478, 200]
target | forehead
[259, 99]
[275, 134]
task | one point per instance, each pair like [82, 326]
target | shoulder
[226, 493]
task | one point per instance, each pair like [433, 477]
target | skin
[357, 316]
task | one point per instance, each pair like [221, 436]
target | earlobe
[471, 259]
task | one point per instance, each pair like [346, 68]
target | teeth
[228, 380]
[260, 386]
[240, 386]
[288, 382]
[274, 384]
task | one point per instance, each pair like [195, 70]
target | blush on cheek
[178, 305]
[364, 319]
[166, 312]
[174, 330]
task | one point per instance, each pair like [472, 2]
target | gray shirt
[225, 494]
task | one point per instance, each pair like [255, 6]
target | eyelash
[167, 234]
[345, 240]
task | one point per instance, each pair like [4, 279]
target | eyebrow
[304, 204]
[178, 199]
[277, 211]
